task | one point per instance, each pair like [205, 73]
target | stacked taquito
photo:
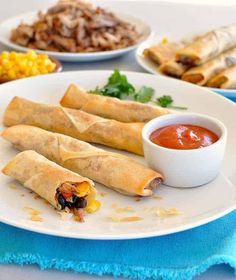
[209, 60]
[125, 111]
[115, 171]
[76, 123]
[62, 188]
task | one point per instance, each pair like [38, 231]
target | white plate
[198, 205]
[152, 67]
[7, 26]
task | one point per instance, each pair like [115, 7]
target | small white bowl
[185, 168]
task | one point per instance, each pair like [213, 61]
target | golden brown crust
[208, 46]
[173, 68]
[225, 79]
[75, 123]
[110, 107]
[201, 74]
[162, 52]
[41, 175]
[114, 171]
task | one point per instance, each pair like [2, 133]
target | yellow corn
[93, 206]
[15, 65]
[164, 40]
[83, 189]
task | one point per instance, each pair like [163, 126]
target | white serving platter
[197, 205]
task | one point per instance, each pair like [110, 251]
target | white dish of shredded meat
[74, 30]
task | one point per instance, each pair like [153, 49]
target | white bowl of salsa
[187, 149]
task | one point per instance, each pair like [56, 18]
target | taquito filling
[73, 198]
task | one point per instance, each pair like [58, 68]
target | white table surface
[161, 16]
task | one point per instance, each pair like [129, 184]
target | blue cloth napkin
[176, 256]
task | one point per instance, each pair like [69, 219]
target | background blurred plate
[197, 205]
[152, 67]
[7, 25]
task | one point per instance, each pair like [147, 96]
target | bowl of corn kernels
[16, 65]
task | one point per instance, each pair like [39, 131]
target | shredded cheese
[102, 194]
[157, 197]
[126, 219]
[162, 212]
[124, 209]
[34, 214]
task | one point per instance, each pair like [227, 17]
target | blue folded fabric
[230, 94]
[176, 256]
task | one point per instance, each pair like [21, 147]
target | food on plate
[14, 65]
[208, 46]
[76, 26]
[76, 123]
[201, 59]
[173, 68]
[34, 214]
[126, 219]
[118, 86]
[225, 79]
[162, 52]
[115, 171]
[183, 137]
[109, 107]
[166, 101]
[65, 190]
[201, 74]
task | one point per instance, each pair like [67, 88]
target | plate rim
[120, 236]
[131, 236]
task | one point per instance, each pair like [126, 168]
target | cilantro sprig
[167, 101]
[118, 86]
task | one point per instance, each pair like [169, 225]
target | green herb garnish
[164, 101]
[144, 95]
[167, 101]
[118, 86]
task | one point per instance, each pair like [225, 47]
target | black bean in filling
[61, 201]
[76, 202]
[80, 202]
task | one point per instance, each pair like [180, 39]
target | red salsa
[183, 137]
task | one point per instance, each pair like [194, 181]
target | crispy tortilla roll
[115, 171]
[162, 52]
[225, 79]
[201, 74]
[110, 107]
[173, 68]
[75, 123]
[208, 46]
[65, 190]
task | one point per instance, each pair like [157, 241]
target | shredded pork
[76, 26]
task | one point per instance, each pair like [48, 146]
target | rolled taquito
[208, 46]
[201, 74]
[173, 68]
[110, 107]
[64, 189]
[115, 171]
[225, 79]
[75, 123]
[162, 52]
